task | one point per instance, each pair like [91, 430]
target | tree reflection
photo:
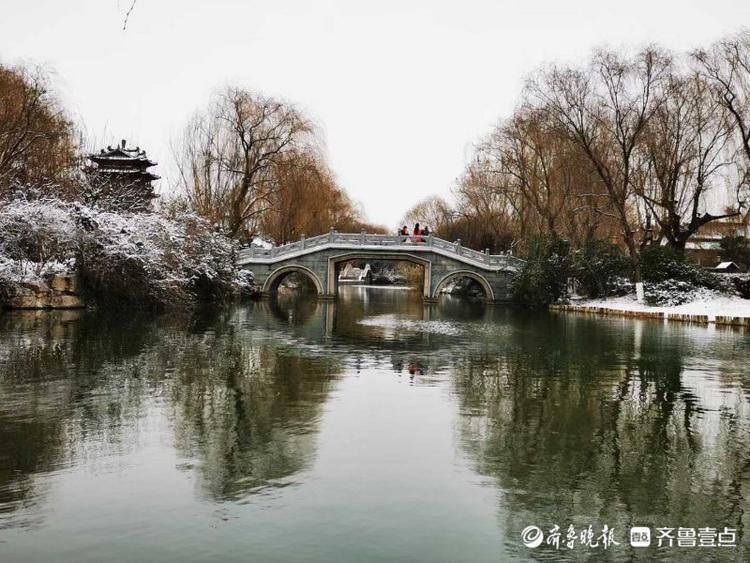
[81, 388]
[583, 423]
[577, 421]
[248, 412]
[61, 396]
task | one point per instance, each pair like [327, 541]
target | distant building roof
[121, 155]
[733, 226]
[702, 245]
[122, 161]
[727, 266]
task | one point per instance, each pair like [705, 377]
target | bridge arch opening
[416, 276]
[296, 274]
[464, 282]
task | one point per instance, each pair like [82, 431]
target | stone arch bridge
[320, 259]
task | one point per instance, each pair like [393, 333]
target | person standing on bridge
[417, 234]
[404, 232]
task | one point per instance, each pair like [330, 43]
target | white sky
[401, 88]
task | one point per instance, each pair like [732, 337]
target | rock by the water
[60, 291]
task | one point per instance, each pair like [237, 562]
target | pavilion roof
[122, 154]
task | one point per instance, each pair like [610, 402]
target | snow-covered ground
[707, 303]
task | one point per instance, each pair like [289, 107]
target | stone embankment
[657, 315]
[60, 291]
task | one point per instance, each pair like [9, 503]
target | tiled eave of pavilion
[114, 160]
[121, 154]
[130, 171]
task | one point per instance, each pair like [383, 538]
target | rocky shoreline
[59, 291]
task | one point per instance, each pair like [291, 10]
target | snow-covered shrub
[618, 286]
[141, 258]
[737, 250]
[661, 263]
[598, 266]
[36, 234]
[741, 284]
[157, 260]
[669, 293]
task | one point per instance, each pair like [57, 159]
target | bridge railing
[357, 240]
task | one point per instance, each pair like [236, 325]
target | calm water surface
[373, 429]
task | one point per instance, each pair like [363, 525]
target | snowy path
[711, 305]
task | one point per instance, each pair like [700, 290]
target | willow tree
[605, 110]
[691, 163]
[432, 212]
[37, 140]
[726, 64]
[308, 200]
[550, 174]
[230, 153]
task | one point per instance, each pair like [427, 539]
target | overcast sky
[401, 88]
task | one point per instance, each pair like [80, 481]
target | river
[371, 429]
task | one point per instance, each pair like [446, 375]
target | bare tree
[605, 112]
[433, 212]
[536, 156]
[487, 212]
[308, 200]
[687, 151]
[486, 189]
[229, 155]
[727, 66]
[36, 138]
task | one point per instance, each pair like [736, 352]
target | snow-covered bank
[142, 259]
[707, 303]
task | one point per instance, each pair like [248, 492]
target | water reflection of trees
[244, 388]
[248, 412]
[578, 421]
[74, 389]
[57, 399]
[584, 423]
